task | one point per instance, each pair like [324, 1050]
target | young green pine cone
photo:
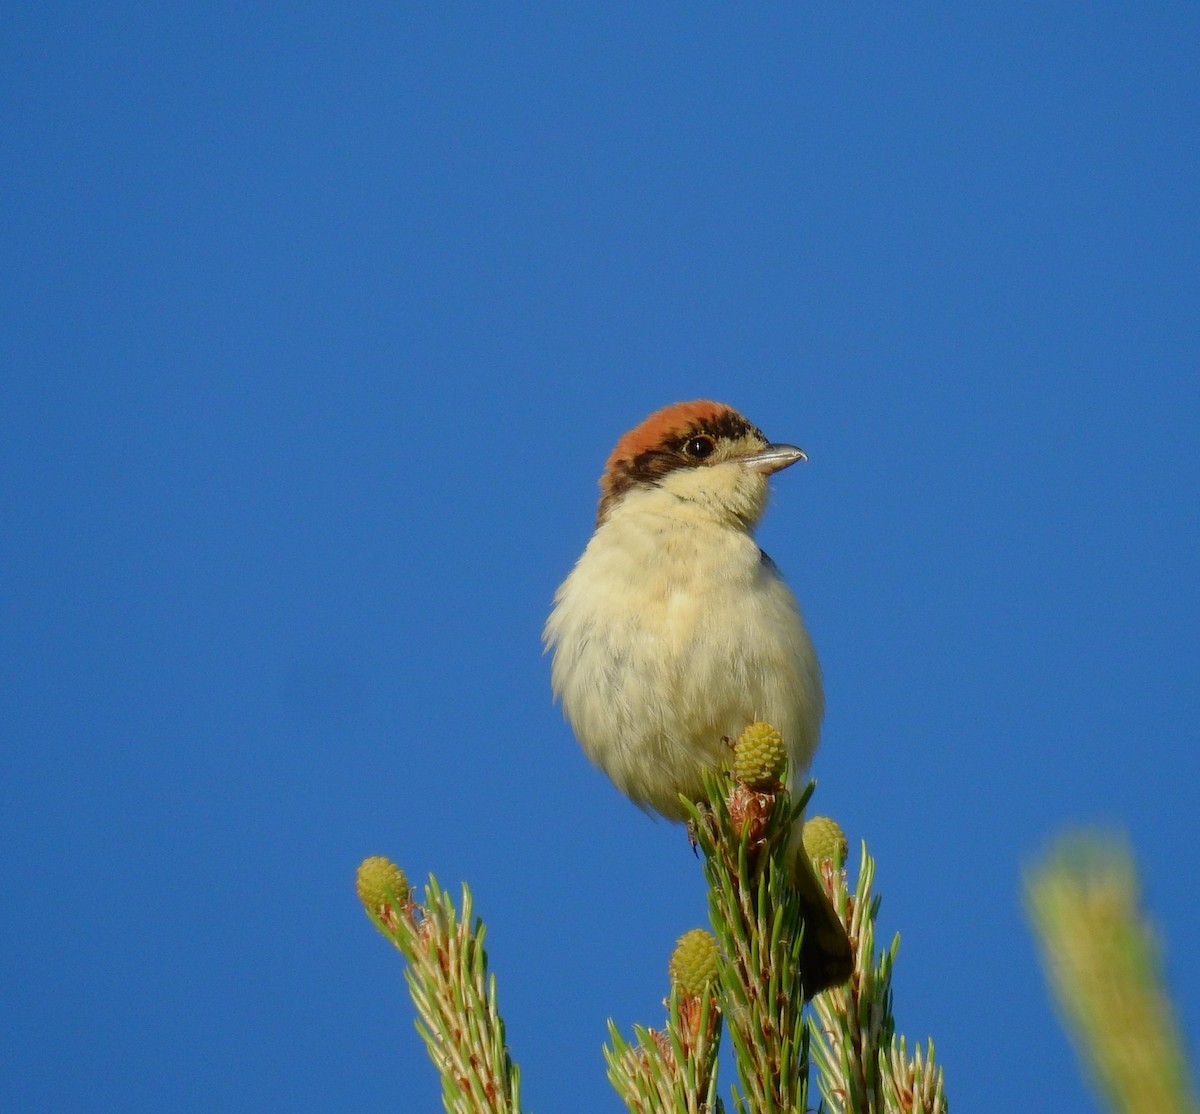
[824, 839]
[759, 757]
[693, 966]
[380, 882]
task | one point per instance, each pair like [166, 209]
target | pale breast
[662, 653]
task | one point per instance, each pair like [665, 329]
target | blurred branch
[1103, 964]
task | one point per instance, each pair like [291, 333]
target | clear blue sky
[317, 327]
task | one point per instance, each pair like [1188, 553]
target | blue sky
[317, 327]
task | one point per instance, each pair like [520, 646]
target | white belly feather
[668, 640]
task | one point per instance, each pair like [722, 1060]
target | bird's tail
[826, 955]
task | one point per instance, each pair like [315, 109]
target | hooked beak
[773, 458]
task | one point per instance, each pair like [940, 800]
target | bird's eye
[700, 447]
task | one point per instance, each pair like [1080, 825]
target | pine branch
[748, 978]
[743, 834]
[672, 1071]
[863, 1067]
[448, 979]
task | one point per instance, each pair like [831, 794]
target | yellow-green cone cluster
[380, 882]
[824, 839]
[759, 757]
[693, 966]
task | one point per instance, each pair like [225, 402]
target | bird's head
[704, 454]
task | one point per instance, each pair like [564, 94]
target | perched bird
[674, 630]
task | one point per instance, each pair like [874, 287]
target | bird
[674, 630]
